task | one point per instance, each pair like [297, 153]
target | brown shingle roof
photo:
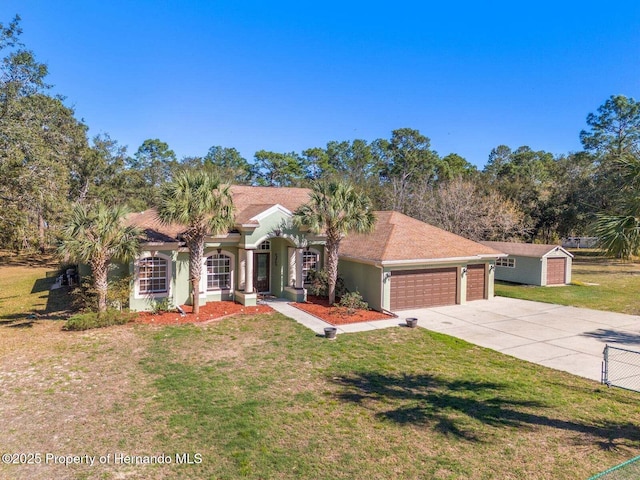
[248, 202]
[398, 238]
[524, 249]
[153, 229]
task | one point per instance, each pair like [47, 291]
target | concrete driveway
[565, 338]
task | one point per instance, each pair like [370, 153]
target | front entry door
[261, 273]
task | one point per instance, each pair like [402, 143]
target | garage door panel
[423, 288]
[476, 282]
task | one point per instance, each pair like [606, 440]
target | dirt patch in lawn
[208, 312]
[321, 308]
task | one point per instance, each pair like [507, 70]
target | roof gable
[249, 202]
[251, 205]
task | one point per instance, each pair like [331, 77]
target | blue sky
[286, 76]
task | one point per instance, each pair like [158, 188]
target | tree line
[48, 164]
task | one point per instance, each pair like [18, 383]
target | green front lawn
[598, 283]
[263, 397]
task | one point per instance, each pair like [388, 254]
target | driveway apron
[565, 338]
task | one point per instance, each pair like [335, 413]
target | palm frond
[618, 235]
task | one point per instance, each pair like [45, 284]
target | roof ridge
[387, 243]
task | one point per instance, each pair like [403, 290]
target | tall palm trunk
[100, 279]
[333, 245]
[196, 252]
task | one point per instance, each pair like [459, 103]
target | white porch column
[242, 268]
[291, 255]
[299, 279]
[248, 278]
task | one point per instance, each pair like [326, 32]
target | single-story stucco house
[403, 264]
[532, 264]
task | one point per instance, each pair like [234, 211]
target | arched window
[153, 275]
[218, 272]
[310, 261]
[266, 245]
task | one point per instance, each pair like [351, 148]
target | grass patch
[25, 294]
[89, 320]
[265, 398]
[597, 282]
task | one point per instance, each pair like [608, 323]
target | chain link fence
[629, 470]
[621, 368]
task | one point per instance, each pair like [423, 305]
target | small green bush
[84, 297]
[351, 302]
[89, 320]
[319, 284]
[163, 306]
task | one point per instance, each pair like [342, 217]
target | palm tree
[618, 231]
[198, 200]
[335, 209]
[96, 236]
[619, 235]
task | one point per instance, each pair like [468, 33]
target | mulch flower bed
[319, 307]
[208, 312]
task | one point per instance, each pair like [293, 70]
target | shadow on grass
[27, 324]
[606, 335]
[56, 308]
[42, 285]
[32, 259]
[455, 407]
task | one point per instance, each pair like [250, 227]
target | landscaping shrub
[319, 284]
[163, 306]
[86, 321]
[350, 302]
[84, 297]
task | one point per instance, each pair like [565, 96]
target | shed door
[476, 282]
[423, 288]
[556, 269]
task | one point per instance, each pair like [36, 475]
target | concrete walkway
[565, 338]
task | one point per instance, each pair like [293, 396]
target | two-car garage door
[423, 288]
[434, 287]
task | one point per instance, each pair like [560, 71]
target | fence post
[605, 367]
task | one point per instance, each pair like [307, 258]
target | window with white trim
[266, 245]
[310, 261]
[152, 275]
[506, 262]
[218, 272]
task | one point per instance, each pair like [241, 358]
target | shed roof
[535, 250]
[399, 238]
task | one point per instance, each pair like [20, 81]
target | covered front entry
[423, 288]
